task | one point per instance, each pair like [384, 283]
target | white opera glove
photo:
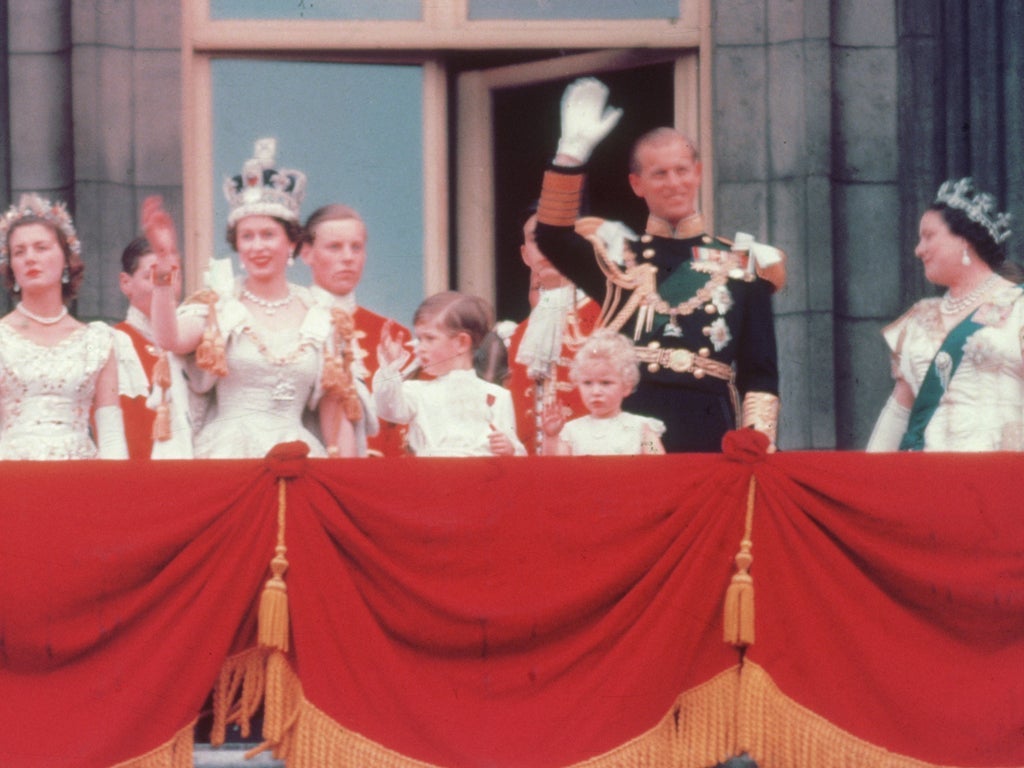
[890, 427]
[586, 119]
[110, 438]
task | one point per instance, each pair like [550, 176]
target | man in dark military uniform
[700, 315]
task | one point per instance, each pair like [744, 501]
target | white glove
[890, 427]
[615, 234]
[585, 118]
[110, 438]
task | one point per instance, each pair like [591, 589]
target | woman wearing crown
[54, 370]
[259, 350]
[957, 359]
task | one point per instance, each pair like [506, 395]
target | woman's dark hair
[988, 250]
[73, 262]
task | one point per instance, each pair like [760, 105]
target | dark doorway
[527, 123]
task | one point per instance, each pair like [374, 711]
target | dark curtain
[961, 110]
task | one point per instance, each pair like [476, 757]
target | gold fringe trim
[738, 618]
[778, 733]
[238, 693]
[699, 730]
[176, 753]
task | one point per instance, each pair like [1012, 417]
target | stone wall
[772, 74]
[93, 96]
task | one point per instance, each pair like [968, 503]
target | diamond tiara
[31, 205]
[980, 207]
[262, 190]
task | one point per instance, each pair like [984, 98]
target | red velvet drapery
[522, 611]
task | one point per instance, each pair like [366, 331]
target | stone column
[127, 116]
[866, 209]
[772, 91]
[39, 61]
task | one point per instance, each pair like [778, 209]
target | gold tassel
[273, 614]
[162, 379]
[337, 379]
[738, 619]
[210, 354]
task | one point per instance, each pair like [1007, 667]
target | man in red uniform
[334, 247]
[136, 282]
[539, 370]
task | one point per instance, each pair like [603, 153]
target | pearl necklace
[951, 306]
[42, 319]
[270, 307]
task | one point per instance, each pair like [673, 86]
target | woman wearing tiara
[54, 370]
[957, 359]
[259, 349]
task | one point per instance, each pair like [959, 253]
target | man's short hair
[330, 212]
[655, 136]
[133, 253]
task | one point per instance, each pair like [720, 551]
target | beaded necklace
[951, 306]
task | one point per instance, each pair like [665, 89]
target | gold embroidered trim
[560, 197]
[761, 411]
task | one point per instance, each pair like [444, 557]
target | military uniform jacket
[680, 298]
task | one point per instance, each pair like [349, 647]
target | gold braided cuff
[761, 411]
[560, 197]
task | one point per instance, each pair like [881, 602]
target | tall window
[433, 118]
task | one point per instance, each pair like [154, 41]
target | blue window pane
[391, 10]
[573, 9]
[355, 131]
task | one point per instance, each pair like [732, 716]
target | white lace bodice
[46, 393]
[273, 377]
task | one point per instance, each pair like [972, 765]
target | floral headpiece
[32, 206]
[980, 207]
[262, 190]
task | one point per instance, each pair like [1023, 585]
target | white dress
[619, 435]
[273, 377]
[451, 415]
[982, 408]
[46, 392]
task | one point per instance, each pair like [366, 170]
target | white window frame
[444, 27]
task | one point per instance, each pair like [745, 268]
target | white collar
[139, 321]
[346, 302]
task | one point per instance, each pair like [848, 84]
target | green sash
[682, 284]
[932, 388]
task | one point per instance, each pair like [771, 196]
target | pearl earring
[16, 288]
[965, 259]
[291, 261]
[65, 276]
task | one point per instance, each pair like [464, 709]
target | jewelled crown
[980, 207]
[32, 206]
[262, 190]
